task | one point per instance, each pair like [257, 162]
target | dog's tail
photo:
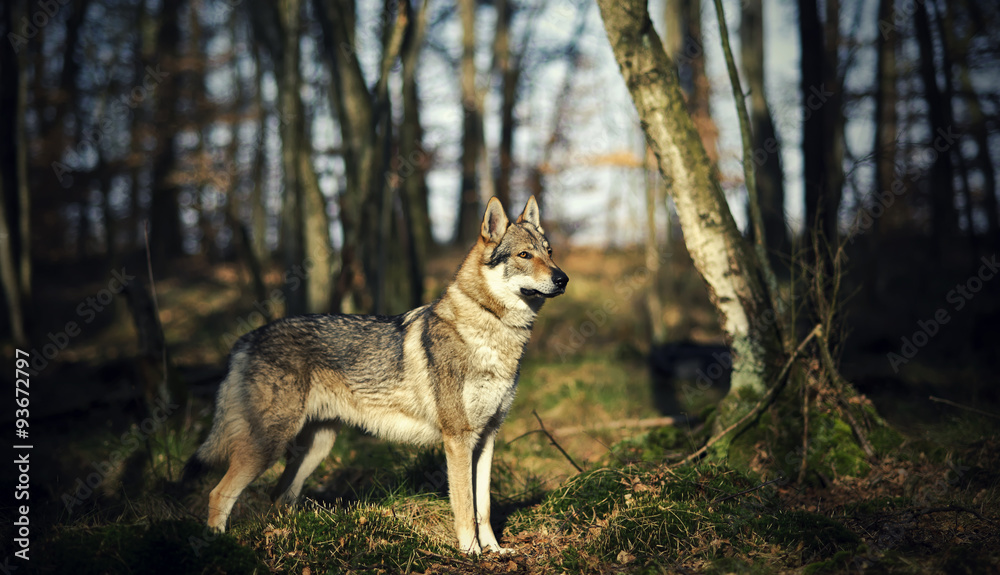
[226, 425]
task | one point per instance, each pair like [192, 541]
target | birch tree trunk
[719, 252]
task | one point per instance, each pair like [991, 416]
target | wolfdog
[446, 371]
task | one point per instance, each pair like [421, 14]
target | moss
[885, 440]
[833, 449]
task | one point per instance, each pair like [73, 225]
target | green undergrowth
[358, 538]
[708, 515]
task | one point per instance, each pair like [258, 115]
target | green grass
[694, 513]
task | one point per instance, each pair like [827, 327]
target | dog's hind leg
[309, 449]
[244, 466]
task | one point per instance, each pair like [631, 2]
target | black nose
[560, 279]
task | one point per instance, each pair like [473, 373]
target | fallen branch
[624, 423]
[957, 509]
[763, 404]
[556, 443]
[444, 557]
[965, 407]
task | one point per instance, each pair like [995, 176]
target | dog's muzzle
[559, 279]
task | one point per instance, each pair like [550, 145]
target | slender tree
[766, 147]
[719, 252]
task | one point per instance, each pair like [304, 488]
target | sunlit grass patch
[339, 539]
[642, 515]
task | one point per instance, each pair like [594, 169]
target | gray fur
[446, 371]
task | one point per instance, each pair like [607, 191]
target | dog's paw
[496, 548]
[473, 549]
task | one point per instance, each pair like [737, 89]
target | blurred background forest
[276, 158]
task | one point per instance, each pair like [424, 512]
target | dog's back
[447, 370]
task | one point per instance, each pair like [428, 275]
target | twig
[163, 350]
[444, 557]
[762, 404]
[622, 423]
[749, 175]
[956, 508]
[745, 491]
[858, 432]
[842, 385]
[525, 434]
[805, 430]
[965, 407]
[556, 443]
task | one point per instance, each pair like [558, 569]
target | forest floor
[104, 498]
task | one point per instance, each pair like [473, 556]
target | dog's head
[521, 253]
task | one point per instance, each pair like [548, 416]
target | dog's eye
[524, 255]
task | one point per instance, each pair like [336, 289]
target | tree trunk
[945, 28]
[166, 237]
[654, 305]
[767, 151]
[412, 164]
[821, 202]
[469, 211]
[978, 127]
[886, 96]
[943, 215]
[685, 46]
[509, 73]
[8, 274]
[719, 252]
[293, 203]
[352, 102]
[316, 226]
[833, 117]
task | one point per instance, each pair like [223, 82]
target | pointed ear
[530, 214]
[495, 222]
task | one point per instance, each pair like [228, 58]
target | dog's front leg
[487, 540]
[458, 452]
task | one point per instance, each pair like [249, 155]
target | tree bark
[833, 117]
[654, 305]
[685, 46]
[412, 163]
[822, 154]
[769, 172]
[469, 208]
[978, 127]
[886, 96]
[943, 215]
[166, 237]
[293, 202]
[11, 98]
[719, 252]
[8, 274]
[509, 74]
